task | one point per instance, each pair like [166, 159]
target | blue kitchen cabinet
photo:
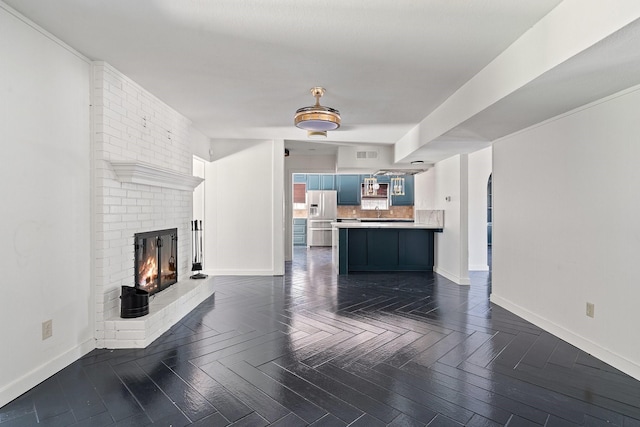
[300, 178]
[327, 182]
[348, 189]
[316, 181]
[313, 182]
[385, 249]
[321, 182]
[407, 199]
[299, 232]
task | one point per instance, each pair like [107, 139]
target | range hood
[399, 172]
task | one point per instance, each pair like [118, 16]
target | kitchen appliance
[321, 212]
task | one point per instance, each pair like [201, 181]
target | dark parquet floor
[311, 348]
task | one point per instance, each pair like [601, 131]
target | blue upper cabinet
[327, 182]
[407, 199]
[348, 189]
[320, 181]
[313, 182]
[383, 179]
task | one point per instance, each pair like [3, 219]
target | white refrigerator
[322, 210]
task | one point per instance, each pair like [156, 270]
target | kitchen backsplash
[299, 213]
[405, 212]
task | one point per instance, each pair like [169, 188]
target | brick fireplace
[143, 181]
[155, 260]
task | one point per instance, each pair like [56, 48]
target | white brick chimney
[132, 127]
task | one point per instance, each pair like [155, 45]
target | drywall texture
[46, 219]
[566, 227]
[479, 172]
[445, 187]
[244, 211]
[452, 196]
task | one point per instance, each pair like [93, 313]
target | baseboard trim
[479, 267]
[613, 359]
[44, 371]
[454, 278]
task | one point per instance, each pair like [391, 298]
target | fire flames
[148, 273]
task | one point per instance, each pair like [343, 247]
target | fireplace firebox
[156, 260]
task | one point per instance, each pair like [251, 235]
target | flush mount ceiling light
[317, 119]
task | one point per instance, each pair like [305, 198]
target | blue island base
[383, 249]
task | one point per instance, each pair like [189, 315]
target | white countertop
[368, 224]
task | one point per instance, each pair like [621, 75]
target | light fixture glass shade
[309, 118]
[316, 134]
[370, 186]
[317, 117]
[397, 186]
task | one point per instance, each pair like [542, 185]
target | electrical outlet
[590, 309]
[353, 212]
[47, 329]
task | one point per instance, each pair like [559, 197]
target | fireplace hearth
[156, 260]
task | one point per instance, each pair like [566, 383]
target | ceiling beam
[571, 28]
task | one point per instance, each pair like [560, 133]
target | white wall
[199, 194]
[448, 178]
[199, 170]
[45, 193]
[200, 144]
[452, 244]
[244, 211]
[425, 190]
[377, 157]
[479, 172]
[566, 209]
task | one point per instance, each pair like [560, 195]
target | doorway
[489, 219]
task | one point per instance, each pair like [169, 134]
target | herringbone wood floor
[311, 348]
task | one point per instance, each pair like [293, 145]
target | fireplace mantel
[144, 173]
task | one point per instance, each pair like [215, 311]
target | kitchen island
[383, 246]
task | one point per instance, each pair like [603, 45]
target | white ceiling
[240, 68]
